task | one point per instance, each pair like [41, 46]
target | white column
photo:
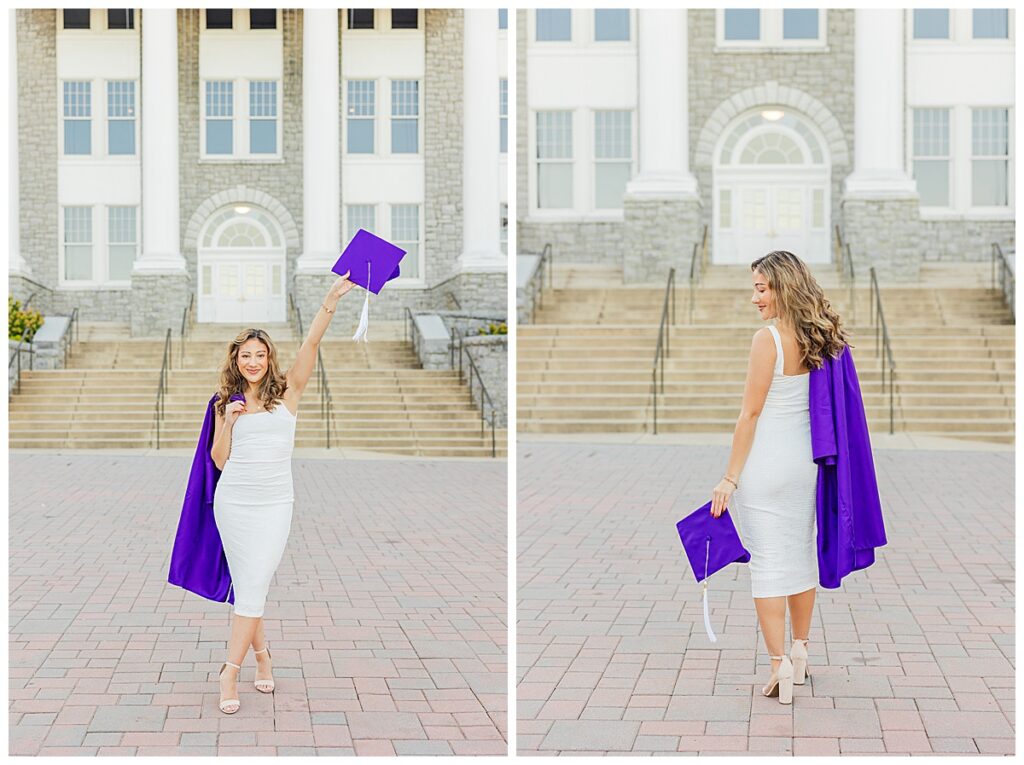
[321, 170]
[481, 245]
[16, 262]
[161, 230]
[879, 170]
[663, 106]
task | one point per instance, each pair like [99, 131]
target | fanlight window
[229, 228]
[771, 149]
[778, 145]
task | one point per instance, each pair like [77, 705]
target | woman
[252, 445]
[771, 468]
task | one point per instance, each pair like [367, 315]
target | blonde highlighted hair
[270, 389]
[801, 303]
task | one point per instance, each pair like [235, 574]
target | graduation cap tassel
[364, 318]
[707, 615]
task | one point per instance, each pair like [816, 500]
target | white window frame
[987, 210]
[240, 119]
[404, 118]
[382, 119]
[953, 23]
[535, 162]
[771, 33]
[503, 114]
[382, 228]
[582, 35]
[100, 244]
[63, 245]
[983, 40]
[949, 158]
[91, 119]
[239, 23]
[595, 160]
[593, 27]
[108, 119]
[961, 32]
[106, 259]
[382, 23]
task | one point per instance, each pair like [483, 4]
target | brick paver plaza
[386, 619]
[913, 655]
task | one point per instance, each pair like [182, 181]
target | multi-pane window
[742, 24]
[613, 157]
[77, 243]
[800, 24]
[554, 159]
[554, 24]
[263, 117]
[990, 155]
[503, 18]
[120, 19]
[77, 117]
[219, 18]
[611, 24]
[262, 18]
[402, 18]
[503, 115]
[220, 110]
[991, 23]
[360, 216]
[76, 18]
[932, 156]
[931, 24]
[405, 232]
[360, 18]
[360, 115]
[121, 117]
[121, 242]
[405, 116]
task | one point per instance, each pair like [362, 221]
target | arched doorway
[241, 266]
[771, 172]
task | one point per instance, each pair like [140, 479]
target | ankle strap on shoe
[777, 657]
[264, 648]
[232, 664]
[802, 640]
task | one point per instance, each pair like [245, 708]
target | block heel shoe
[264, 685]
[798, 655]
[781, 682]
[227, 704]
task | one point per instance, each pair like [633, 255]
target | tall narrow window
[931, 24]
[800, 24]
[405, 116]
[360, 216]
[219, 18]
[360, 18]
[931, 156]
[122, 243]
[405, 232]
[611, 24]
[263, 117]
[120, 19]
[360, 111]
[554, 159]
[503, 18]
[262, 18]
[503, 115]
[77, 117]
[990, 24]
[402, 18]
[554, 24]
[613, 157]
[742, 24]
[76, 18]
[990, 155]
[121, 117]
[77, 243]
[220, 111]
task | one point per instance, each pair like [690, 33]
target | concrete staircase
[585, 366]
[383, 400]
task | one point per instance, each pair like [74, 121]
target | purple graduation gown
[197, 560]
[849, 510]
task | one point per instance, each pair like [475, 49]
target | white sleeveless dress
[774, 507]
[252, 504]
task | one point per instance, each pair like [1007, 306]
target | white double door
[242, 288]
[756, 215]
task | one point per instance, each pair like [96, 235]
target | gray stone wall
[490, 353]
[584, 242]
[659, 234]
[158, 301]
[962, 240]
[480, 292]
[715, 76]
[884, 234]
[442, 141]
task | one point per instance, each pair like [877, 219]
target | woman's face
[252, 360]
[763, 299]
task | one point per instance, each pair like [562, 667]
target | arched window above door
[756, 140]
[240, 226]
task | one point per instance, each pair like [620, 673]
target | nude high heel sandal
[226, 704]
[782, 683]
[798, 653]
[264, 685]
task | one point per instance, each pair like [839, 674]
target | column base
[157, 302]
[658, 234]
[884, 233]
[879, 185]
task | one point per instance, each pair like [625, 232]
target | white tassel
[364, 321]
[707, 617]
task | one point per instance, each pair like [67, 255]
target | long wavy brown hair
[802, 304]
[270, 389]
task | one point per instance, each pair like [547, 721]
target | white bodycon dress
[774, 507]
[252, 504]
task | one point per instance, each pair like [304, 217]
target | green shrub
[494, 328]
[22, 323]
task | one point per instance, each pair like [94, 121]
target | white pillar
[663, 106]
[481, 243]
[16, 262]
[321, 170]
[879, 171]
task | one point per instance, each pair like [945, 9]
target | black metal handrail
[412, 331]
[42, 287]
[847, 273]
[72, 334]
[484, 394]
[161, 389]
[451, 296]
[16, 357]
[545, 268]
[661, 350]
[1007, 279]
[326, 401]
[882, 334]
[697, 266]
[186, 321]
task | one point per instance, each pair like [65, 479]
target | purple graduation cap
[369, 261]
[711, 544]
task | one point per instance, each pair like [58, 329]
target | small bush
[22, 323]
[494, 328]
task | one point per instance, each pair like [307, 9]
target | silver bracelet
[327, 309]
